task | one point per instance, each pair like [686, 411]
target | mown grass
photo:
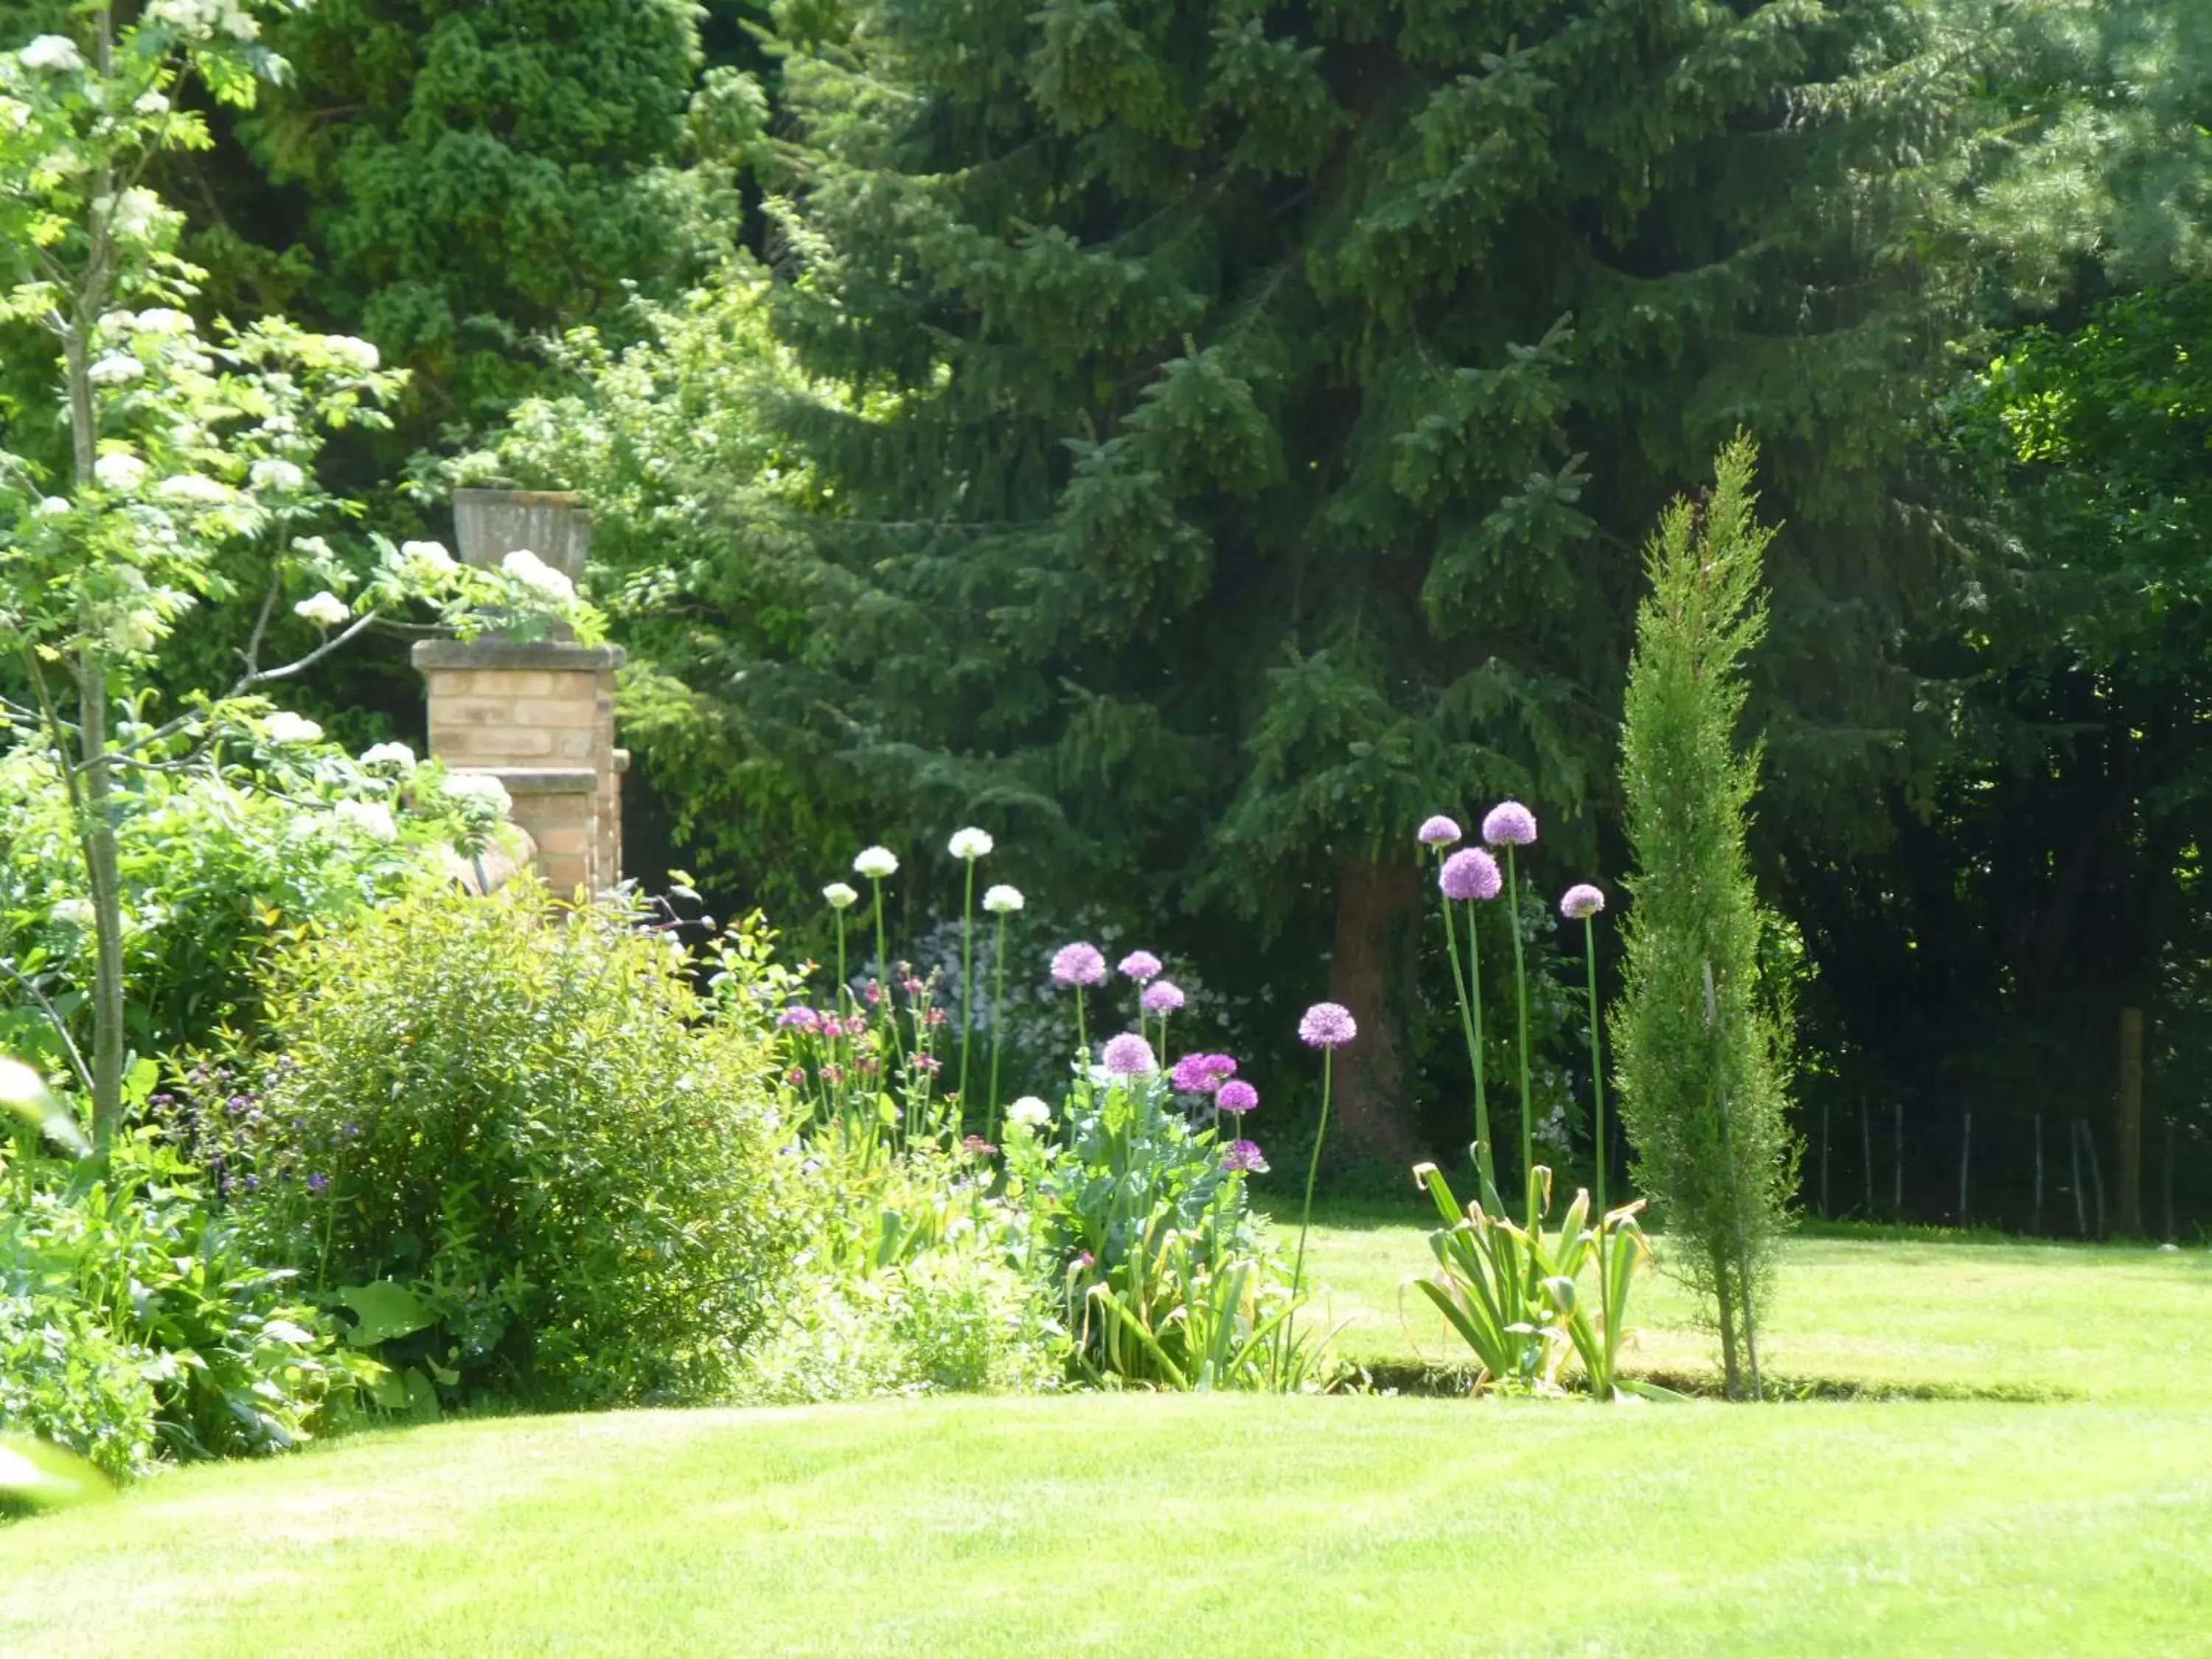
[1237, 1525]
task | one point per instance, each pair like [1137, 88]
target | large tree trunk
[1378, 917]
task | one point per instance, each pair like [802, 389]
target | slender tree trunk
[1866, 1152]
[2035, 1223]
[1825, 1212]
[1378, 915]
[2073, 1146]
[1896, 1160]
[98, 833]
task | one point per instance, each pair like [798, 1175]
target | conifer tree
[1702, 1049]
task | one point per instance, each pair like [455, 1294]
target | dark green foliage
[554, 1173]
[1702, 1048]
[1222, 434]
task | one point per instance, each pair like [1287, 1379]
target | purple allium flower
[1201, 1074]
[317, 1182]
[1141, 966]
[1237, 1095]
[1327, 1025]
[1243, 1158]
[1129, 1055]
[1509, 824]
[800, 1018]
[1438, 831]
[1162, 996]
[1470, 874]
[1078, 964]
[1581, 900]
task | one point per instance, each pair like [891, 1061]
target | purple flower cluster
[800, 1018]
[1243, 1158]
[1470, 874]
[1327, 1025]
[1142, 966]
[1201, 1074]
[1437, 831]
[1237, 1095]
[1129, 1055]
[1580, 900]
[1509, 824]
[1162, 996]
[1080, 963]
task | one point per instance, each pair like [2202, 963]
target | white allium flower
[426, 560]
[389, 754]
[325, 610]
[1029, 1112]
[370, 817]
[970, 844]
[284, 727]
[875, 863]
[193, 487]
[535, 573]
[56, 53]
[54, 507]
[480, 786]
[117, 471]
[277, 475]
[116, 368]
[1002, 900]
[73, 912]
[840, 897]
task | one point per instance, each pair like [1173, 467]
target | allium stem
[1312, 1170]
[967, 996]
[998, 1020]
[1082, 1031]
[1470, 1025]
[1521, 1000]
[1597, 1073]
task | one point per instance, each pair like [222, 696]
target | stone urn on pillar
[538, 715]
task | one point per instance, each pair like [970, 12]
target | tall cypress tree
[1249, 413]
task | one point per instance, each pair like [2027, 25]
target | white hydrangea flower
[277, 475]
[325, 610]
[1002, 900]
[73, 912]
[482, 786]
[284, 727]
[120, 471]
[54, 507]
[840, 897]
[389, 754]
[875, 863]
[194, 487]
[970, 844]
[1029, 1113]
[57, 54]
[535, 573]
[372, 818]
[117, 369]
[425, 561]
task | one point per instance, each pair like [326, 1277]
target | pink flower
[1080, 963]
[1243, 1158]
[1470, 874]
[1162, 996]
[1237, 1095]
[1580, 900]
[1327, 1025]
[1201, 1074]
[1509, 824]
[1438, 831]
[1129, 1055]
[1141, 966]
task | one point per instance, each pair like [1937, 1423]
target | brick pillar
[540, 717]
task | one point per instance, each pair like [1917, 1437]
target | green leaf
[383, 1310]
[24, 1094]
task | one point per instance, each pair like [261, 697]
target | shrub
[131, 1322]
[1702, 1051]
[531, 1157]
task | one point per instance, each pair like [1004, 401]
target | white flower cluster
[116, 368]
[425, 563]
[1029, 1113]
[277, 474]
[396, 755]
[205, 17]
[480, 787]
[840, 897]
[1002, 900]
[541, 578]
[371, 818]
[283, 726]
[119, 471]
[195, 487]
[53, 54]
[875, 863]
[325, 610]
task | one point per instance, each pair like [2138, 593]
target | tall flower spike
[1509, 824]
[1470, 874]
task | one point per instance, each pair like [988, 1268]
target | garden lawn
[1242, 1525]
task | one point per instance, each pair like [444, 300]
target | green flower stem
[1312, 1170]
[997, 1018]
[888, 1000]
[967, 995]
[1470, 1025]
[1521, 1000]
[1597, 1075]
[1082, 1032]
